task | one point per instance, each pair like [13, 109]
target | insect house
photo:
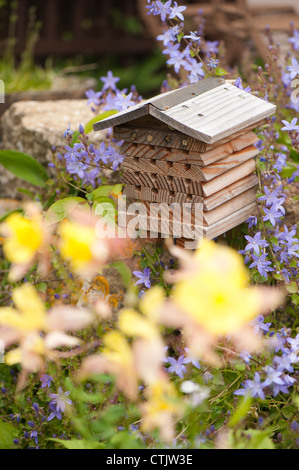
[191, 148]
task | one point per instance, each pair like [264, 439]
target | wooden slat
[163, 182]
[209, 218]
[185, 170]
[184, 156]
[215, 230]
[188, 186]
[161, 138]
[209, 203]
[228, 178]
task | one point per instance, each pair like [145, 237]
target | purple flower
[34, 436]
[272, 214]
[144, 277]
[294, 342]
[295, 40]
[238, 84]
[255, 243]
[177, 366]
[73, 153]
[93, 97]
[195, 69]
[55, 413]
[123, 102]
[68, 131]
[163, 9]
[252, 221]
[77, 168]
[60, 399]
[177, 59]
[46, 380]
[259, 325]
[176, 12]
[110, 81]
[252, 387]
[246, 356]
[287, 236]
[270, 197]
[193, 37]
[262, 264]
[284, 362]
[273, 376]
[115, 158]
[290, 126]
[190, 359]
[213, 63]
[167, 37]
[293, 69]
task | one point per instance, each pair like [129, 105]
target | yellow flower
[76, 243]
[30, 312]
[80, 246]
[24, 238]
[151, 302]
[215, 292]
[133, 324]
[160, 409]
[117, 349]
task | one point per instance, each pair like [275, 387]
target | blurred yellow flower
[80, 246]
[215, 291]
[76, 243]
[133, 324]
[30, 313]
[24, 238]
[152, 301]
[117, 350]
[161, 408]
[118, 359]
[38, 332]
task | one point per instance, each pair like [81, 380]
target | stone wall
[33, 127]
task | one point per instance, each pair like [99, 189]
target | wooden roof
[209, 110]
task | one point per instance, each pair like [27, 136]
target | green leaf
[241, 411]
[102, 191]
[219, 72]
[27, 193]
[124, 271]
[117, 189]
[292, 288]
[7, 434]
[251, 439]
[24, 166]
[123, 440]
[60, 209]
[75, 138]
[89, 126]
[78, 444]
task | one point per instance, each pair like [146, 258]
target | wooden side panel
[210, 203]
[163, 182]
[188, 186]
[185, 170]
[208, 218]
[228, 178]
[161, 138]
[225, 224]
[185, 156]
